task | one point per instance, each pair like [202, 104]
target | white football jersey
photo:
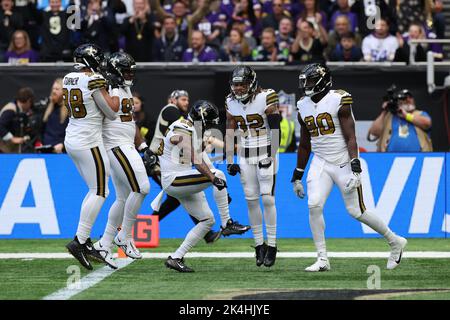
[120, 131]
[322, 121]
[172, 160]
[84, 130]
[251, 118]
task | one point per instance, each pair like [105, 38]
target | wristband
[143, 145]
[8, 136]
[409, 117]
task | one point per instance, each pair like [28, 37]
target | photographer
[14, 118]
[55, 120]
[401, 127]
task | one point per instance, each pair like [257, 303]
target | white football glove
[298, 189]
[353, 183]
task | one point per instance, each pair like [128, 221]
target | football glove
[150, 161]
[265, 163]
[355, 181]
[298, 189]
[219, 183]
[233, 169]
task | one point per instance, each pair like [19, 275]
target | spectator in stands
[313, 14]
[380, 45]
[10, 21]
[306, 48]
[55, 119]
[409, 11]
[19, 51]
[245, 13]
[97, 25]
[199, 51]
[236, 48]
[171, 46]
[180, 10]
[344, 10]
[30, 17]
[438, 19]
[405, 49]
[347, 50]
[13, 120]
[273, 19]
[341, 27]
[55, 35]
[368, 11]
[213, 25]
[269, 50]
[139, 32]
[404, 129]
[242, 27]
[284, 34]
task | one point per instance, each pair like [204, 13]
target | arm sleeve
[103, 105]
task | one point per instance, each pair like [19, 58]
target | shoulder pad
[271, 97]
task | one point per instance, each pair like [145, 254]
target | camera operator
[401, 127]
[55, 120]
[14, 121]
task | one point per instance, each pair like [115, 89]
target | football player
[127, 169]
[177, 108]
[328, 130]
[88, 102]
[254, 111]
[181, 150]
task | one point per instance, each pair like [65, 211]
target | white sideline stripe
[164, 255]
[88, 281]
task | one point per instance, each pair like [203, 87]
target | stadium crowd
[291, 31]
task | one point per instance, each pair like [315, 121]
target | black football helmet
[206, 112]
[314, 79]
[121, 66]
[246, 77]
[88, 56]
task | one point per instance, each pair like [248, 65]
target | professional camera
[391, 98]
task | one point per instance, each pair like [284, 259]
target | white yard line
[164, 255]
[86, 282]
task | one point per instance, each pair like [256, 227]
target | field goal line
[164, 255]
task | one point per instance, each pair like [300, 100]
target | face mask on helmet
[128, 76]
[308, 84]
[240, 88]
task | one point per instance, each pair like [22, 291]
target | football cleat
[106, 254]
[397, 248]
[212, 236]
[260, 252]
[322, 264]
[177, 264]
[92, 253]
[127, 245]
[78, 250]
[233, 227]
[271, 255]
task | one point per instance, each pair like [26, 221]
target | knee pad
[209, 222]
[268, 200]
[355, 212]
[314, 201]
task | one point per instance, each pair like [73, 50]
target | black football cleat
[233, 227]
[92, 253]
[260, 252]
[177, 264]
[212, 236]
[271, 255]
[77, 250]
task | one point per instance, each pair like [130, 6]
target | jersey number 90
[323, 124]
[73, 101]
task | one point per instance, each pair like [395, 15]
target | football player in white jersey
[181, 149]
[127, 169]
[328, 130]
[88, 102]
[254, 111]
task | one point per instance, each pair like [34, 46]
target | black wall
[366, 84]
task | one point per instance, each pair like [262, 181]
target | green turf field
[227, 278]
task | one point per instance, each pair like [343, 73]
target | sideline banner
[40, 197]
